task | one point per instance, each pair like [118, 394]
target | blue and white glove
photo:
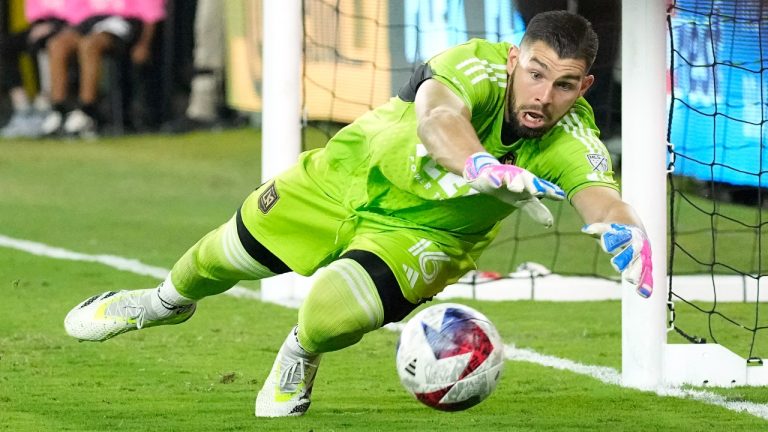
[631, 252]
[512, 184]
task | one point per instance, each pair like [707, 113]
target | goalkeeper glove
[631, 252]
[511, 184]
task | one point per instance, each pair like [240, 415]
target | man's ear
[586, 83]
[512, 57]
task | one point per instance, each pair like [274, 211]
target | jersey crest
[598, 162]
[268, 199]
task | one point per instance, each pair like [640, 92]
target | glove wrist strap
[477, 162]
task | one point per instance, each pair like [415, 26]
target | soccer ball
[450, 357]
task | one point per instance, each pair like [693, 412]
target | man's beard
[521, 130]
[524, 131]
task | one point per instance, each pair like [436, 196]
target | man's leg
[61, 49]
[90, 54]
[383, 275]
[350, 297]
[213, 265]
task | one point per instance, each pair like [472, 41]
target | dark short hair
[569, 35]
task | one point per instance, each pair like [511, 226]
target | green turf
[99, 196]
[150, 198]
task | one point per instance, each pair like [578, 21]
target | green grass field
[150, 198]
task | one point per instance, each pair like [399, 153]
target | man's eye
[535, 75]
[566, 86]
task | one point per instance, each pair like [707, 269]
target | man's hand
[512, 184]
[631, 252]
[486, 174]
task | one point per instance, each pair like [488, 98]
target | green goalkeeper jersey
[378, 166]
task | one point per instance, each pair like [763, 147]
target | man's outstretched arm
[620, 232]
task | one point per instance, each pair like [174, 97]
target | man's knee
[64, 43]
[342, 306]
[395, 305]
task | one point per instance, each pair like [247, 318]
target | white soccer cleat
[288, 389]
[112, 313]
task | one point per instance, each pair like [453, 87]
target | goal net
[718, 130]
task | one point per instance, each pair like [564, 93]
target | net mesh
[718, 157]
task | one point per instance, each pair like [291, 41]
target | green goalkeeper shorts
[307, 229]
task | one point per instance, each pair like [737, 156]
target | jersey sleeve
[474, 70]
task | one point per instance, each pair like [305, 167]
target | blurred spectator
[98, 28]
[45, 18]
[206, 97]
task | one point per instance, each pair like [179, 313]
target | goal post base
[710, 365]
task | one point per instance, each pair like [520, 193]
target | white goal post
[281, 108]
[643, 178]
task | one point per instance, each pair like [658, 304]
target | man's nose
[544, 95]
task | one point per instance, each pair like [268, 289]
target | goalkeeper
[402, 202]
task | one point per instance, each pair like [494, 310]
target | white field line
[612, 376]
[116, 262]
[603, 374]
